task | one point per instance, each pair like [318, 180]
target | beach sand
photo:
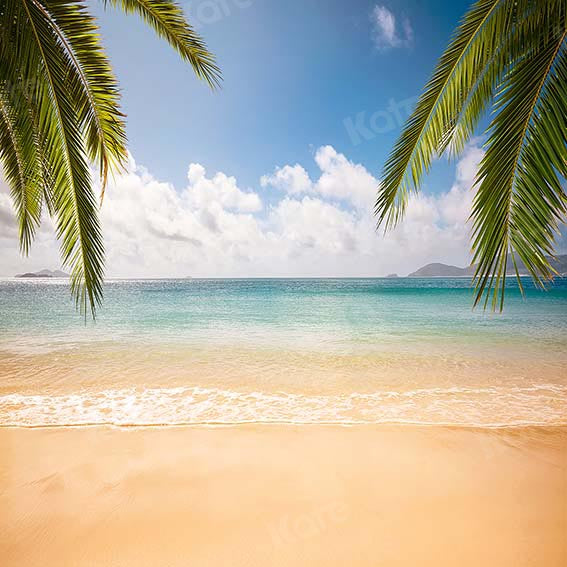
[263, 495]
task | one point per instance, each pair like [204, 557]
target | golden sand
[283, 495]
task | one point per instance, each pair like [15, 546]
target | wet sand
[264, 495]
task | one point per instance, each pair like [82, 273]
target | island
[44, 274]
[439, 270]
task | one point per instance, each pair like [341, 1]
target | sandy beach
[283, 495]
[270, 297]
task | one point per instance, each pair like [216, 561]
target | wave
[536, 404]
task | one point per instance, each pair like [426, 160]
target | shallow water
[303, 351]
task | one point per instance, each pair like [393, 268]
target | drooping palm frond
[520, 198]
[168, 20]
[474, 43]
[475, 101]
[60, 100]
[19, 161]
[94, 84]
[59, 113]
[508, 55]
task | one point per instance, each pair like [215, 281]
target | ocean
[345, 351]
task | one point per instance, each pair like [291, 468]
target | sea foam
[541, 404]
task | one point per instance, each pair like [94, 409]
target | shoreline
[308, 424]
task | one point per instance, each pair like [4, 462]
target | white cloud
[457, 203]
[340, 179]
[291, 178]
[320, 227]
[311, 224]
[387, 32]
[220, 189]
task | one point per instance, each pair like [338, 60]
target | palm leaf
[19, 160]
[509, 55]
[476, 101]
[74, 201]
[520, 199]
[474, 44]
[168, 20]
[94, 85]
[59, 112]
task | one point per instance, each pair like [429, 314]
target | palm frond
[74, 201]
[59, 113]
[473, 46]
[520, 199]
[508, 55]
[168, 20]
[93, 83]
[18, 157]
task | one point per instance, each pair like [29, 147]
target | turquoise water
[349, 310]
[325, 350]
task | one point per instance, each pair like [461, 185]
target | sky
[275, 174]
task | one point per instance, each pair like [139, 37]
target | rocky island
[44, 274]
[439, 270]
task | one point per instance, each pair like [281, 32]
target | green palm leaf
[59, 113]
[508, 56]
[520, 198]
[168, 20]
[74, 200]
[473, 45]
[94, 85]
[19, 160]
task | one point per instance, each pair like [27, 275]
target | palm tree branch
[77, 37]
[44, 175]
[410, 153]
[494, 201]
[19, 162]
[475, 102]
[9, 129]
[86, 259]
[540, 203]
[168, 20]
[513, 47]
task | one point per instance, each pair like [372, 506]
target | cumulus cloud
[311, 224]
[291, 178]
[389, 32]
[220, 189]
[340, 179]
[211, 227]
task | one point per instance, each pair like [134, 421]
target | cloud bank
[319, 227]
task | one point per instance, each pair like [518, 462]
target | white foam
[542, 404]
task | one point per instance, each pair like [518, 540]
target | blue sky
[293, 71]
[274, 175]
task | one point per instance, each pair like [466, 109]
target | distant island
[392, 276]
[438, 270]
[44, 274]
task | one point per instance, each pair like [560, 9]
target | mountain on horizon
[439, 270]
[44, 274]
